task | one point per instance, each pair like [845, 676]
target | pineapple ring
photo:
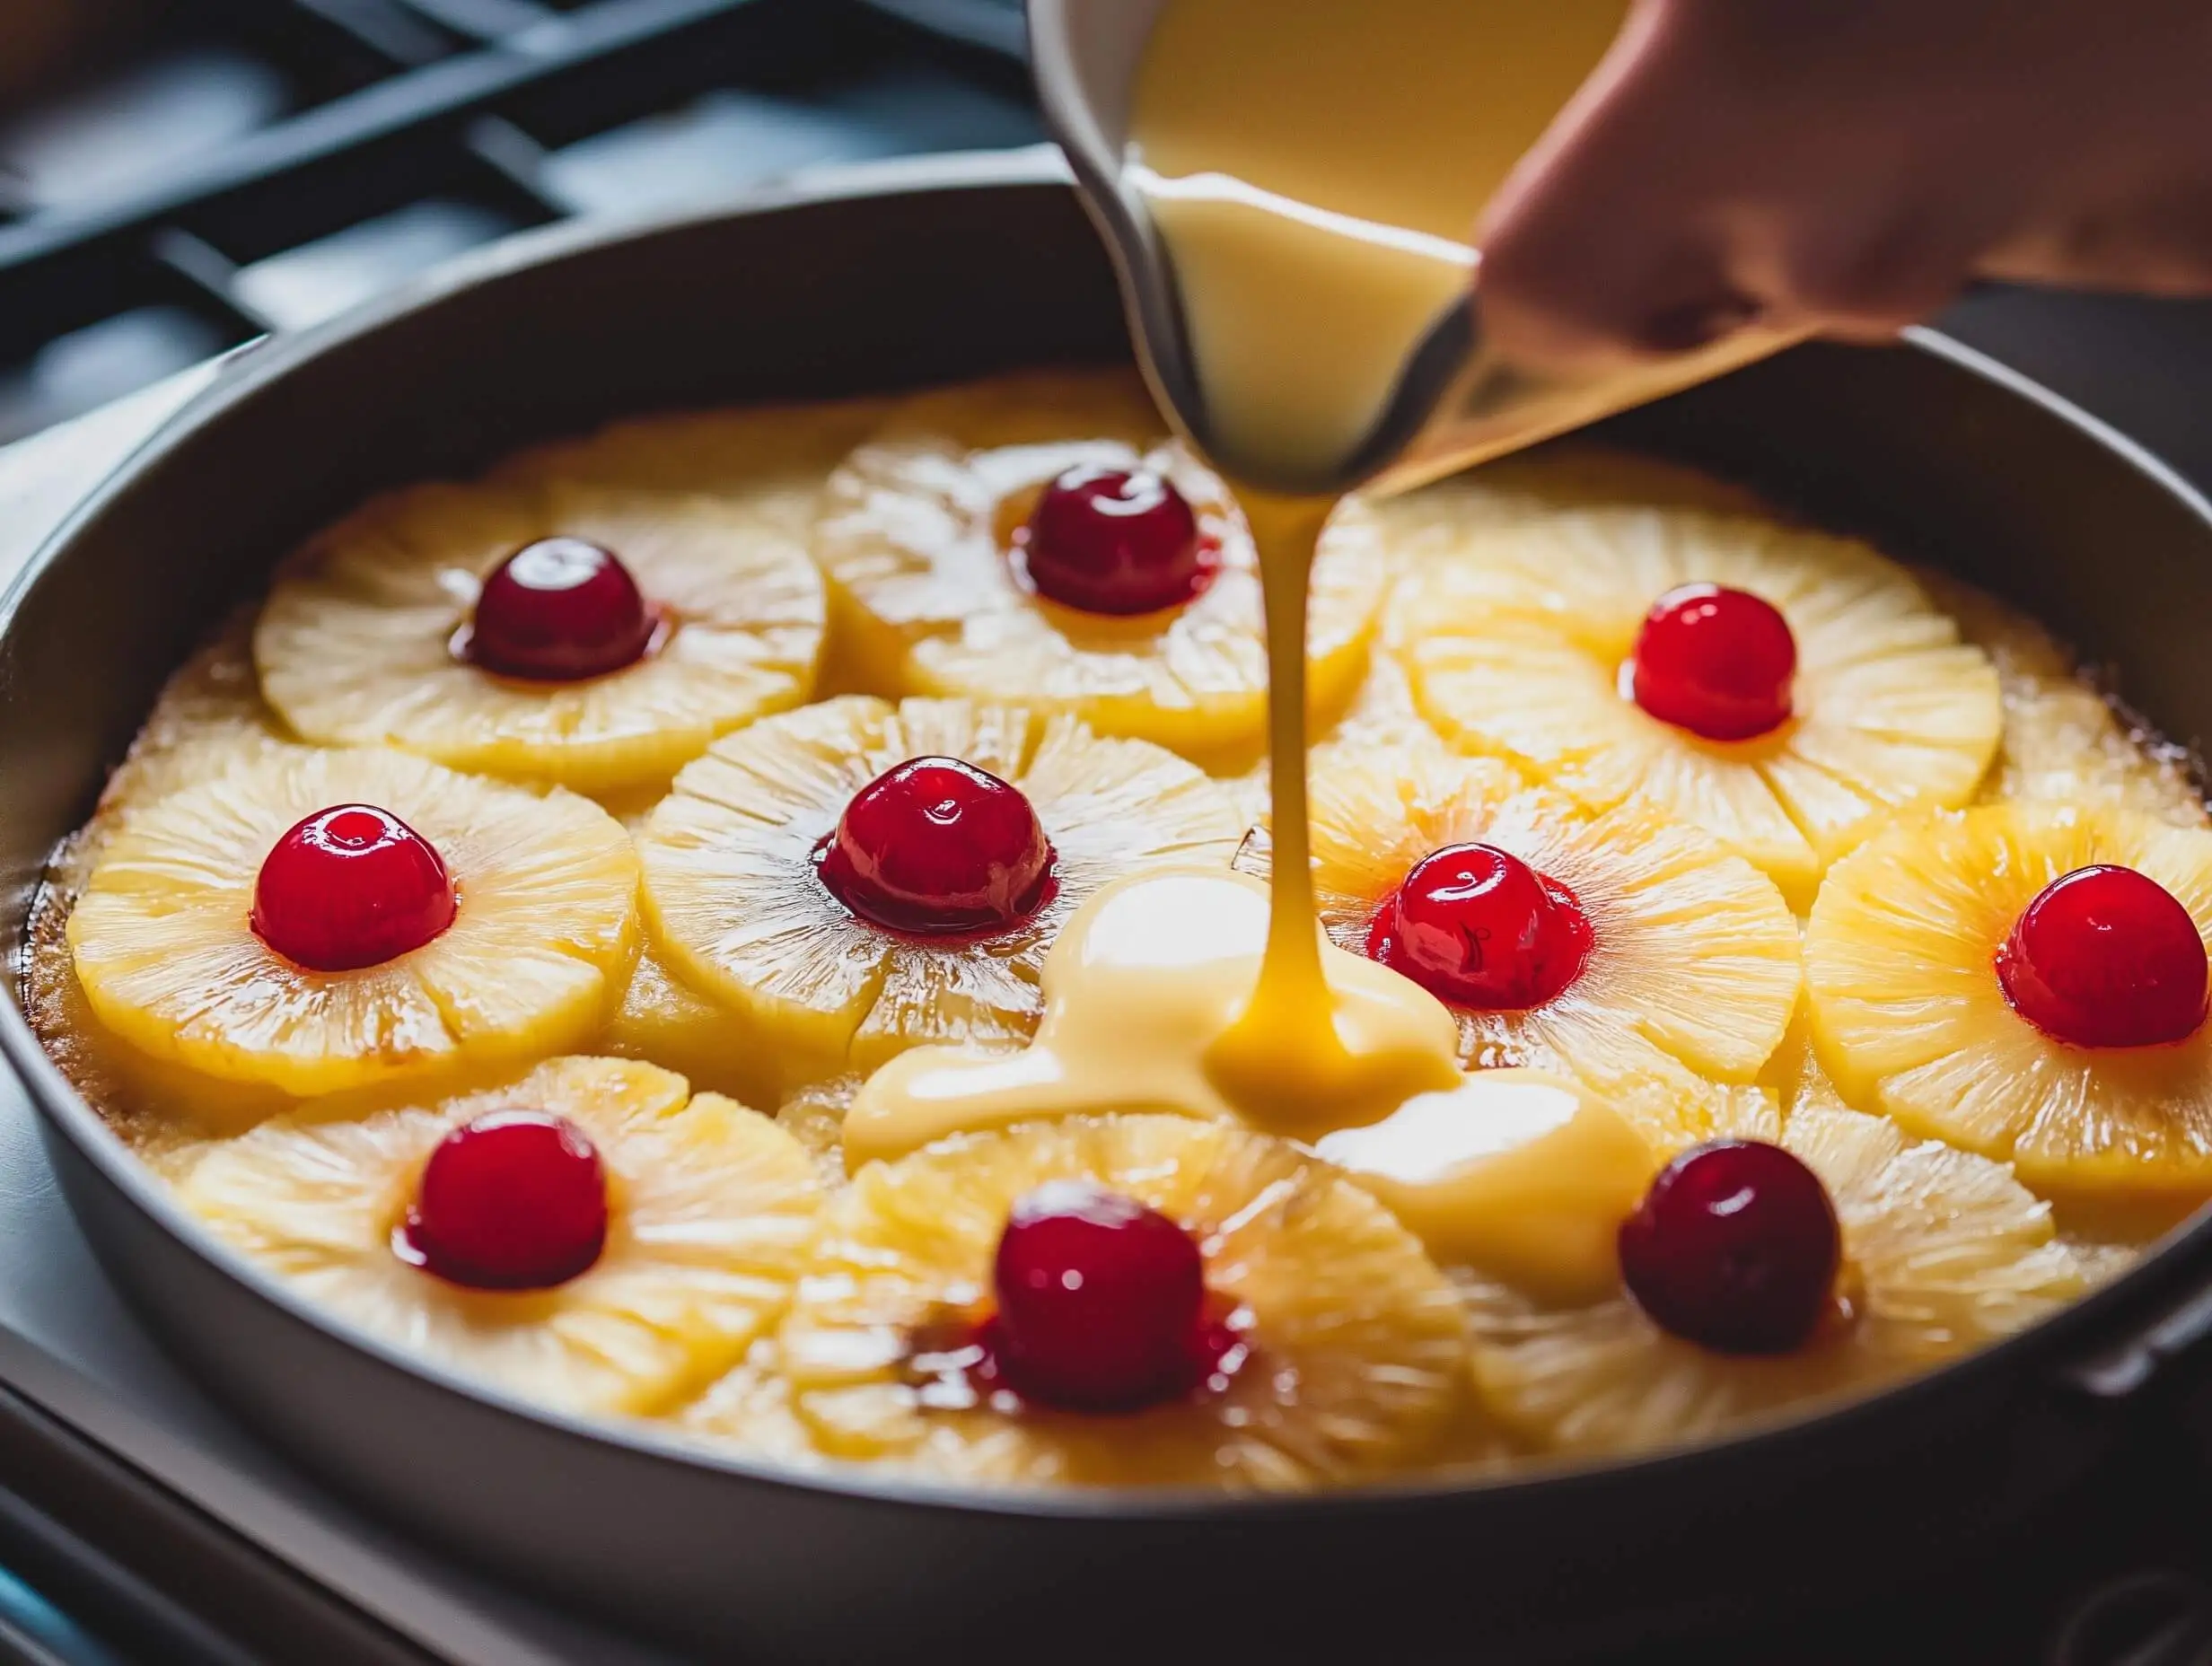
[1565, 477]
[354, 642]
[1910, 1018]
[210, 717]
[912, 539]
[711, 1209]
[161, 940]
[771, 460]
[2064, 742]
[663, 1021]
[1518, 642]
[749, 1411]
[1951, 1253]
[1360, 1349]
[1693, 974]
[815, 1117]
[736, 906]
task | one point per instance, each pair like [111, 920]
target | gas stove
[252, 165]
[292, 157]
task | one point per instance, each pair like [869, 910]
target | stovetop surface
[94, 1555]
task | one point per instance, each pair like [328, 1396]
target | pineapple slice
[916, 541]
[161, 941]
[1358, 1352]
[1566, 477]
[1945, 1252]
[815, 1117]
[1382, 719]
[711, 1208]
[1692, 972]
[747, 1412]
[356, 643]
[209, 716]
[736, 909]
[664, 1020]
[2065, 742]
[1910, 1017]
[771, 460]
[1521, 637]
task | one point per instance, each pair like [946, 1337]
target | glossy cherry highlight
[1117, 541]
[937, 846]
[1717, 663]
[559, 611]
[1477, 925]
[515, 1200]
[1734, 1248]
[1101, 1301]
[348, 887]
[2106, 956]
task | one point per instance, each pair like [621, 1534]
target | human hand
[1847, 166]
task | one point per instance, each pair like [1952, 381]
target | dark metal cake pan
[894, 278]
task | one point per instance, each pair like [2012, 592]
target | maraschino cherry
[1717, 663]
[1735, 1248]
[1477, 927]
[1118, 542]
[559, 611]
[515, 1200]
[2106, 956]
[937, 846]
[348, 887]
[1101, 1301]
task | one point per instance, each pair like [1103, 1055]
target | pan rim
[2080, 1331]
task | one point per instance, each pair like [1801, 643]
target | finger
[1859, 272]
[1611, 241]
[1700, 185]
[2159, 247]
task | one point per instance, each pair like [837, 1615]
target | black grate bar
[443, 118]
[518, 161]
[211, 277]
[485, 20]
[396, 35]
[367, 133]
[769, 41]
[996, 26]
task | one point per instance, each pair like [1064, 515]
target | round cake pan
[896, 278]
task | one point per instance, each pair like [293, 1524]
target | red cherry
[515, 1200]
[1477, 927]
[349, 887]
[1101, 1301]
[1735, 1248]
[1115, 540]
[559, 611]
[2106, 956]
[938, 847]
[1717, 663]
